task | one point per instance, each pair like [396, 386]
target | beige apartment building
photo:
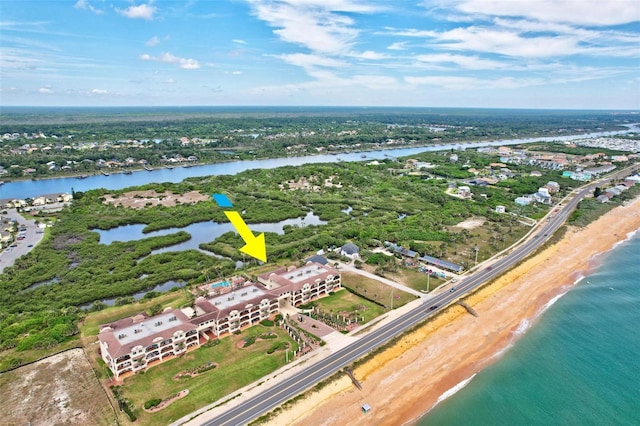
[136, 343]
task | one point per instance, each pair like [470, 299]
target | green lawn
[343, 300]
[236, 368]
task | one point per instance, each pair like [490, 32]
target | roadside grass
[236, 369]
[376, 290]
[343, 300]
[415, 279]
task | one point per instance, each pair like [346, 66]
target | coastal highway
[303, 380]
[287, 389]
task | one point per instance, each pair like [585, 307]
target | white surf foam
[454, 390]
[524, 325]
[551, 302]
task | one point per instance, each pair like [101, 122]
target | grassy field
[343, 300]
[376, 290]
[236, 368]
[415, 280]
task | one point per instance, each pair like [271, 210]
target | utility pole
[476, 249]
[392, 298]
[428, 276]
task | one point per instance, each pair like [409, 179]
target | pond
[201, 232]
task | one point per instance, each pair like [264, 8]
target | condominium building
[296, 286]
[251, 304]
[235, 310]
[135, 343]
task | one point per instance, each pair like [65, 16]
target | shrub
[267, 323]
[152, 403]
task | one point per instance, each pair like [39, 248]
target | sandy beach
[405, 381]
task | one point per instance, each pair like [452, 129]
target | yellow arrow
[255, 246]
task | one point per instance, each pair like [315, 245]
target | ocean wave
[630, 235]
[522, 327]
[552, 301]
[454, 390]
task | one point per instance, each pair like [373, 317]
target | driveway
[33, 235]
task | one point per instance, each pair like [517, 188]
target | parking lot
[28, 236]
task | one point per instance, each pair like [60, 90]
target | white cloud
[308, 61]
[153, 41]
[238, 41]
[311, 23]
[505, 42]
[368, 54]
[468, 83]
[142, 11]
[560, 76]
[398, 45]
[45, 90]
[375, 81]
[579, 12]
[99, 92]
[170, 81]
[84, 5]
[168, 58]
[410, 32]
[467, 62]
[336, 5]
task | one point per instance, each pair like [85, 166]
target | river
[33, 188]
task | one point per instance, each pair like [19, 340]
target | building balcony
[122, 358]
[152, 354]
[124, 365]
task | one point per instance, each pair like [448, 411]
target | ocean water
[579, 363]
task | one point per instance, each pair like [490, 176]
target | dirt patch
[61, 242]
[471, 223]
[59, 390]
[151, 198]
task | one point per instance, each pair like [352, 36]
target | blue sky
[453, 53]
